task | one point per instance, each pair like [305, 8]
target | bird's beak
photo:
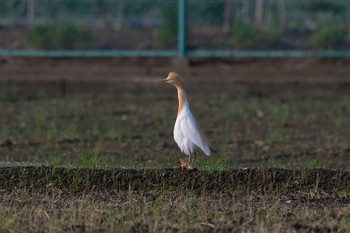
[162, 81]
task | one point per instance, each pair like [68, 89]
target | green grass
[136, 130]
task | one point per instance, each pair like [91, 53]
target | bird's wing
[178, 135]
[183, 141]
[190, 128]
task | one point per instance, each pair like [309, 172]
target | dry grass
[173, 200]
[186, 212]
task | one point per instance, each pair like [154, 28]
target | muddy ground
[292, 183]
[95, 136]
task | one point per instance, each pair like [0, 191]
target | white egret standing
[187, 133]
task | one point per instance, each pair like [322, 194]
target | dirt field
[87, 146]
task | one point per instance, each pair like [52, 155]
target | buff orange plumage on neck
[187, 133]
[176, 81]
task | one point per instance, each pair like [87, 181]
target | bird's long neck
[182, 98]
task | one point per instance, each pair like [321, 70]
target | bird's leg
[194, 155]
[191, 157]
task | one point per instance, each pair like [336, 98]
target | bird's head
[172, 79]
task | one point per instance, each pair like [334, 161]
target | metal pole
[30, 12]
[181, 28]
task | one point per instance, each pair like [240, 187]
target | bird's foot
[184, 165]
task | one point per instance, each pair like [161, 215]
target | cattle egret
[187, 133]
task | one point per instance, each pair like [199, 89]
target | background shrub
[67, 36]
[73, 36]
[42, 36]
[246, 36]
[167, 36]
[329, 36]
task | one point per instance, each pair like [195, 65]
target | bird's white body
[187, 133]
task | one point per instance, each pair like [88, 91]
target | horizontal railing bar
[269, 53]
[174, 53]
[89, 53]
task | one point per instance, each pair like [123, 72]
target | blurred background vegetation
[152, 24]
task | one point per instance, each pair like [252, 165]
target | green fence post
[181, 39]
